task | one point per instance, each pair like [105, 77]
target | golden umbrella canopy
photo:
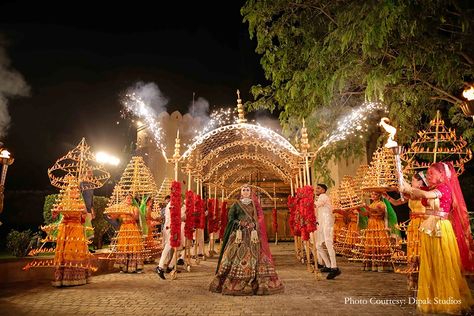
[80, 163]
[436, 144]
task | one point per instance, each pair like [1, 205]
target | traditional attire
[350, 236]
[165, 259]
[441, 286]
[417, 213]
[339, 227]
[245, 265]
[129, 248]
[375, 249]
[72, 257]
[325, 231]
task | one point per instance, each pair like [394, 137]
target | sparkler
[135, 105]
[218, 118]
[353, 124]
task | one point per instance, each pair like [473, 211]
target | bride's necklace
[246, 201]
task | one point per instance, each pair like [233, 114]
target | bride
[245, 265]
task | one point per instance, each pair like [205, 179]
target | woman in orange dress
[129, 249]
[351, 235]
[72, 259]
[417, 214]
[375, 247]
[339, 227]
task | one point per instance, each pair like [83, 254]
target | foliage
[48, 205]
[324, 57]
[18, 242]
[99, 223]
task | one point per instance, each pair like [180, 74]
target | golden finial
[297, 144]
[240, 109]
[304, 138]
[176, 146]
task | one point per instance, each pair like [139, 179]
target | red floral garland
[274, 220]
[217, 218]
[210, 215]
[175, 214]
[306, 209]
[223, 219]
[294, 215]
[197, 211]
[189, 224]
[202, 214]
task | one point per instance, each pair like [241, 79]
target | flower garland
[210, 215]
[197, 212]
[223, 219]
[175, 214]
[202, 213]
[274, 220]
[189, 223]
[217, 221]
[295, 216]
[306, 209]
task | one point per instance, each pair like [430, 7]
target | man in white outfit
[166, 255]
[325, 232]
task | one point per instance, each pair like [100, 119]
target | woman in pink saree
[245, 265]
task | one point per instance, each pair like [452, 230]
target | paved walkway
[145, 294]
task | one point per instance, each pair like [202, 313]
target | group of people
[439, 241]
[446, 246]
[440, 247]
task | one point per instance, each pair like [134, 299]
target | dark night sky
[78, 58]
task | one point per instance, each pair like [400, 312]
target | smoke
[150, 94]
[266, 121]
[12, 84]
[200, 108]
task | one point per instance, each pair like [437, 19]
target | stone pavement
[146, 294]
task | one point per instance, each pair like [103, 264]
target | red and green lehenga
[245, 265]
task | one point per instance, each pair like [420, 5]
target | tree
[324, 57]
[99, 223]
[47, 207]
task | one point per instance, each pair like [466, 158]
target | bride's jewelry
[246, 201]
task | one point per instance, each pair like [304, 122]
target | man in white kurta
[325, 232]
[167, 249]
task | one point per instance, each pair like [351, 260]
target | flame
[469, 93]
[4, 154]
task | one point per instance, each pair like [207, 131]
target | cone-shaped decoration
[348, 198]
[436, 144]
[382, 174]
[79, 162]
[136, 180]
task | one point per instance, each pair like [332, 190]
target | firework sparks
[353, 124]
[135, 105]
[218, 118]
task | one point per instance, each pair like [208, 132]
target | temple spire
[240, 109]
